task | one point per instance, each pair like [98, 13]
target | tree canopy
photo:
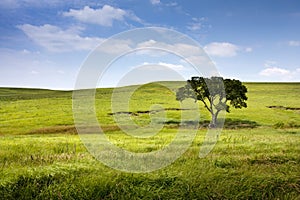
[215, 93]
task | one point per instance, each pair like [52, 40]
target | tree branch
[205, 104]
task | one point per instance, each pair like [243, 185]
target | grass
[256, 157]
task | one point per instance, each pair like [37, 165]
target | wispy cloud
[14, 4]
[55, 39]
[34, 72]
[9, 4]
[172, 4]
[172, 66]
[270, 63]
[196, 24]
[221, 49]
[294, 43]
[104, 16]
[248, 49]
[158, 66]
[24, 68]
[180, 48]
[155, 2]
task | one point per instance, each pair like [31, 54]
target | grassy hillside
[26, 111]
[256, 157]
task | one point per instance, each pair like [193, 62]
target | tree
[215, 93]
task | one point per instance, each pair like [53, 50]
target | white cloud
[132, 16]
[172, 66]
[192, 54]
[155, 2]
[294, 43]
[223, 49]
[148, 43]
[104, 16]
[159, 66]
[274, 71]
[56, 39]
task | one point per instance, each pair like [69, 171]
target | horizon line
[108, 87]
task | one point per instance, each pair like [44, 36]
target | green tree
[215, 93]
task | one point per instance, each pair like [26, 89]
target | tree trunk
[213, 123]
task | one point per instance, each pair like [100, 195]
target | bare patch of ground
[283, 108]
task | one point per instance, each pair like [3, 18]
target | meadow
[256, 156]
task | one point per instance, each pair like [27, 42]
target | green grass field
[257, 155]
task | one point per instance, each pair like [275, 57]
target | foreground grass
[260, 163]
[256, 157]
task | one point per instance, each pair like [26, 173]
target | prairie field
[257, 155]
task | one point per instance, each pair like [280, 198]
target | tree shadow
[239, 123]
[228, 124]
[175, 123]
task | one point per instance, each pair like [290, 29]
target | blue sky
[44, 43]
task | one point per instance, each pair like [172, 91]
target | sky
[44, 44]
